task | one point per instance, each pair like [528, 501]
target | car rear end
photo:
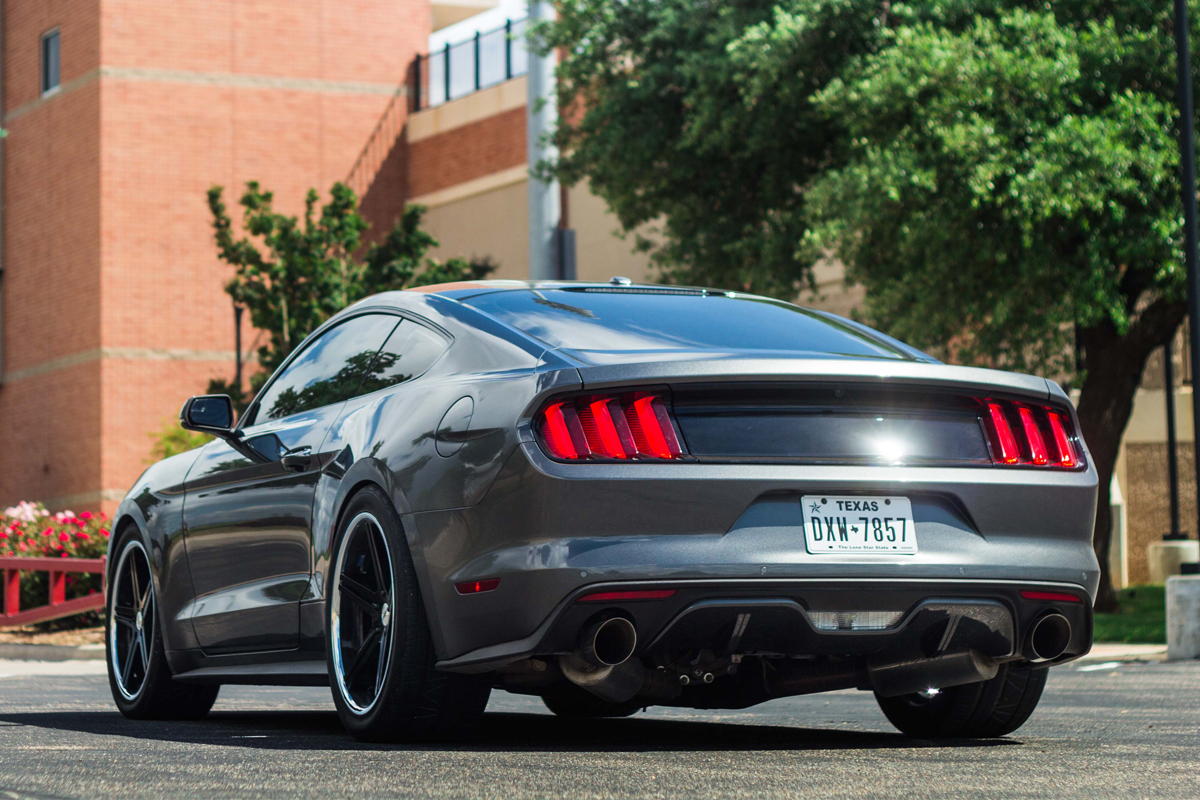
[746, 523]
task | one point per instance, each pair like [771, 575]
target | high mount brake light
[1041, 437]
[617, 426]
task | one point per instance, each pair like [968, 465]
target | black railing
[459, 69]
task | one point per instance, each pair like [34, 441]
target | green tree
[1001, 176]
[294, 274]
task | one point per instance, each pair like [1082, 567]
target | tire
[138, 673]
[974, 711]
[572, 702]
[375, 622]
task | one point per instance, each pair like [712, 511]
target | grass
[1141, 620]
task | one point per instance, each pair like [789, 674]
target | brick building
[120, 115]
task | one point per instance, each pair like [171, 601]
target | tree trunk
[1114, 366]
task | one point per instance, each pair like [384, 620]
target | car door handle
[297, 460]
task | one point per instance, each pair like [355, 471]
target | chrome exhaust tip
[607, 643]
[1048, 638]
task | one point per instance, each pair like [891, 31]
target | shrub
[28, 530]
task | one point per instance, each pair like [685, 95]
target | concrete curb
[1102, 653]
[52, 652]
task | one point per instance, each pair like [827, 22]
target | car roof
[461, 290]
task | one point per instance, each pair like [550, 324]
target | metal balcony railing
[459, 69]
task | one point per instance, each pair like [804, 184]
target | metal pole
[1187, 163]
[446, 74]
[507, 49]
[417, 84]
[237, 338]
[477, 61]
[541, 114]
[1172, 463]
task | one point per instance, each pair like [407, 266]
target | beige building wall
[495, 223]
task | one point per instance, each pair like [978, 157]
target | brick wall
[108, 248]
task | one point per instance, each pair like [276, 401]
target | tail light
[1021, 434]
[634, 425]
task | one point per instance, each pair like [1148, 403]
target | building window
[50, 71]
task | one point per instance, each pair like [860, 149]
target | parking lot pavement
[1103, 730]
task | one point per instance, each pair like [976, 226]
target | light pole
[1187, 163]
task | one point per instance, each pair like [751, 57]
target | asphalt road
[1115, 731]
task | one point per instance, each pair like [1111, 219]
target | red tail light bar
[633, 425]
[1021, 434]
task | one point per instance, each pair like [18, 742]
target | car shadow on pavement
[499, 732]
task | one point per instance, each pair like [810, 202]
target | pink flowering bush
[28, 530]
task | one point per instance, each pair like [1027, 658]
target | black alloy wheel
[382, 664]
[138, 673]
[132, 614]
[361, 617]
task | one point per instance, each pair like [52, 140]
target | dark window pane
[329, 369]
[50, 59]
[640, 320]
[407, 353]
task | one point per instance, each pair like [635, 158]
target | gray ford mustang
[610, 496]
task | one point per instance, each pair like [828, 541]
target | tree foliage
[293, 274]
[1001, 176]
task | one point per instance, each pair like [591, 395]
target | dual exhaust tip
[607, 642]
[610, 642]
[1048, 638]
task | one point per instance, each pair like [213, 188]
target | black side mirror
[209, 413]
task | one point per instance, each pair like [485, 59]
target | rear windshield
[599, 319]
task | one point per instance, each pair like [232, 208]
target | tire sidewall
[372, 500]
[143, 702]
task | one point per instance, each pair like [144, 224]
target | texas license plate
[857, 524]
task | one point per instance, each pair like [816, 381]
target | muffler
[601, 662]
[922, 674]
[1048, 638]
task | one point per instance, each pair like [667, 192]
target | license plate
[856, 524]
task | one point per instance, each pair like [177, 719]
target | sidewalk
[1101, 653]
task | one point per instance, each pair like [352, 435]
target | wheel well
[341, 512]
[118, 530]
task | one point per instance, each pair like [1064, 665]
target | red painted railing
[59, 606]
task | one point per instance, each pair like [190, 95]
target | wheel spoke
[360, 594]
[360, 659]
[128, 668]
[383, 645]
[133, 582]
[375, 564]
[145, 650]
[124, 614]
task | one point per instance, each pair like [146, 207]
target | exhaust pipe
[1048, 638]
[607, 643]
[940, 672]
[601, 662]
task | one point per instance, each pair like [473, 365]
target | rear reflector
[634, 425]
[1057, 597]
[613, 597]
[1029, 435]
[475, 587]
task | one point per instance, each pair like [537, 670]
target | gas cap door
[452, 430]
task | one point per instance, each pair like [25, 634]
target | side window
[407, 353]
[328, 370]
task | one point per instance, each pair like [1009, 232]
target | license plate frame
[858, 525]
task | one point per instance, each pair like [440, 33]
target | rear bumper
[550, 531]
[784, 617]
